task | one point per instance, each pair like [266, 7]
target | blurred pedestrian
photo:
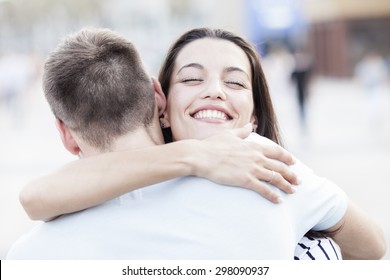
[372, 72]
[16, 75]
[301, 76]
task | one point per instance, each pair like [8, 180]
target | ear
[164, 120]
[254, 122]
[161, 102]
[67, 138]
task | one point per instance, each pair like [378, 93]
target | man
[104, 101]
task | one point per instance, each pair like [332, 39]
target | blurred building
[36, 26]
[343, 31]
[275, 23]
[338, 33]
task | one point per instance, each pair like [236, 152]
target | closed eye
[191, 80]
[236, 84]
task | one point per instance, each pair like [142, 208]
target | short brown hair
[96, 84]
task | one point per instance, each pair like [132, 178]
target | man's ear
[67, 138]
[161, 102]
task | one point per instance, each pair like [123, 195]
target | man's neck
[139, 138]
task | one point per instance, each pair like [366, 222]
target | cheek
[176, 107]
[174, 101]
[244, 106]
[179, 100]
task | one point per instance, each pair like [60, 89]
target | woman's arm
[224, 158]
[358, 236]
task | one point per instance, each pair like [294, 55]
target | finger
[270, 164]
[283, 170]
[278, 153]
[274, 178]
[265, 191]
[281, 183]
[242, 132]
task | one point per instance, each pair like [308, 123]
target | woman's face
[211, 89]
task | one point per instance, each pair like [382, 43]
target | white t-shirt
[189, 218]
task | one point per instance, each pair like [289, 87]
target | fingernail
[248, 125]
[299, 180]
[279, 200]
[293, 189]
[294, 160]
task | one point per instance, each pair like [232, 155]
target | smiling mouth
[211, 115]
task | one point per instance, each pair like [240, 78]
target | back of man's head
[95, 83]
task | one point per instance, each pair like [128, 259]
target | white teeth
[211, 114]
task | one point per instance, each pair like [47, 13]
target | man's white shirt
[190, 218]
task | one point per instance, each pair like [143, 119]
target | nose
[214, 90]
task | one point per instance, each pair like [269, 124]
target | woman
[188, 76]
[235, 96]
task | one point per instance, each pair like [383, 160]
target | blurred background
[327, 64]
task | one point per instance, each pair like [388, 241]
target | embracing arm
[92, 180]
[224, 158]
[358, 236]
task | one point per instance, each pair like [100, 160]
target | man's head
[97, 87]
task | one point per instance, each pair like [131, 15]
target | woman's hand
[226, 158]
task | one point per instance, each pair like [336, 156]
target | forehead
[212, 52]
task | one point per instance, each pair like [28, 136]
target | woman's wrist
[190, 154]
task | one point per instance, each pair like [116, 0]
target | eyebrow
[194, 65]
[201, 67]
[236, 69]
